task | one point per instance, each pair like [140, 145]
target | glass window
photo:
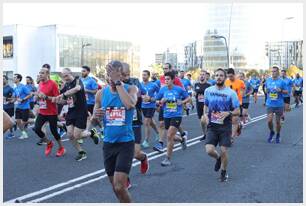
[8, 51]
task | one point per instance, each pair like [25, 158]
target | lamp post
[82, 52]
[227, 52]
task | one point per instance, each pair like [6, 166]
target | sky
[155, 26]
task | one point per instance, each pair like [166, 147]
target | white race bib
[42, 104]
[115, 116]
[215, 118]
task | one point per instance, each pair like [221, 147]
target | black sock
[223, 172]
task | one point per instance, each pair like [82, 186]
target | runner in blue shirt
[288, 84]
[298, 89]
[31, 87]
[172, 98]
[255, 83]
[8, 102]
[245, 99]
[115, 105]
[188, 87]
[220, 104]
[148, 107]
[22, 96]
[209, 80]
[275, 88]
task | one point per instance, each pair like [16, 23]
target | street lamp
[82, 52]
[227, 52]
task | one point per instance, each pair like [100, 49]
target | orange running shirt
[237, 86]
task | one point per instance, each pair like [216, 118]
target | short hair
[125, 66]
[147, 71]
[189, 75]
[208, 73]
[283, 70]
[230, 71]
[242, 74]
[222, 70]
[86, 67]
[170, 66]
[67, 70]
[5, 77]
[28, 77]
[19, 76]
[275, 67]
[47, 66]
[117, 64]
[170, 74]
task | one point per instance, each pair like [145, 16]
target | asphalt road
[258, 171]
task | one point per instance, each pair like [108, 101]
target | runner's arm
[129, 99]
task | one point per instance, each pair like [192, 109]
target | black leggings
[41, 120]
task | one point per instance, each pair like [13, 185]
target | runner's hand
[146, 98]
[223, 115]
[113, 73]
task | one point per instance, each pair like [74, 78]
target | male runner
[298, 89]
[188, 87]
[245, 99]
[8, 102]
[289, 84]
[276, 88]
[199, 89]
[209, 80]
[115, 107]
[46, 95]
[255, 83]
[172, 97]
[220, 104]
[148, 106]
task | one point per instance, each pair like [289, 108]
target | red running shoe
[49, 148]
[144, 166]
[60, 152]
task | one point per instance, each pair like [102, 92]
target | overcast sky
[155, 26]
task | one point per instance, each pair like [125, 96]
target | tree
[252, 72]
[157, 68]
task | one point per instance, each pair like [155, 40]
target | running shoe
[270, 139]
[61, 132]
[60, 152]
[166, 162]
[10, 136]
[144, 165]
[128, 184]
[145, 144]
[184, 142]
[80, 141]
[277, 139]
[158, 147]
[81, 156]
[218, 164]
[49, 148]
[24, 135]
[94, 135]
[203, 138]
[223, 176]
[41, 142]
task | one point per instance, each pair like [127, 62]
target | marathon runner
[46, 96]
[245, 99]
[298, 89]
[115, 106]
[289, 84]
[209, 80]
[255, 83]
[220, 104]
[22, 96]
[73, 94]
[238, 86]
[264, 88]
[148, 107]
[30, 85]
[276, 88]
[199, 89]
[188, 87]
[172, 98]
[167, 67]
[8, 103]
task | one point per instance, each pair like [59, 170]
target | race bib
[42, 104]
[273, 96]
[216, 118]
[70, 102]
[200, 98]
[171, 106]
[135, 117]
[115, 116]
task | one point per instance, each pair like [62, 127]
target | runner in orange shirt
[239, 87]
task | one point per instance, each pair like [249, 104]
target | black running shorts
[10, 111]
[22, 114]
[174, 121]
[161, 114]
[148, 112]
[221, 135]
[90, 108]
[287, 100]
[200, 109]
[79, 122]
[137, 134]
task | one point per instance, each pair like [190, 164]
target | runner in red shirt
[46, 94]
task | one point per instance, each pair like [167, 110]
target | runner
[298, 89]
[289, 84]
[22, 96]
[73, 93]
[220, 104]
[238, 86]
[209, 80]
[264, 88]
[255, 83]
[8, 103]
[276, 88]
[245, 99]
[115, 106]
[159, 146]
[148, 107]
[137, 119]
[188, 87]
[199, 89]
[154, 77]
[172, 98]
[46, 95]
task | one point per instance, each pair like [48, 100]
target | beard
[220, 84]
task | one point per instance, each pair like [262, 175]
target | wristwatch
[118, 83]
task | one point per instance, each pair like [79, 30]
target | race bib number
[171, 106]
[115, 116]
[216, 118]
[273, 96]
[42, 104]
[135, 117]
[201, 98]
[70, 102]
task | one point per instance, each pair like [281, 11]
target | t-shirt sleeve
[55, 90]
[184, 93]
[159, 95]
[235, 101]
[94, 84]
[26, 90]
[157, 83]
[206, 102]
